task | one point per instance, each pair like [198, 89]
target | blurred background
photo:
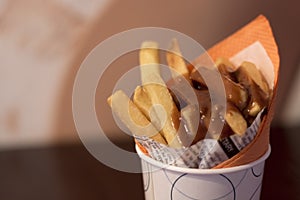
[42, 44]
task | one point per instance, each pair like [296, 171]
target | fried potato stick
[132, 117]
[158, 94]
[176, 61]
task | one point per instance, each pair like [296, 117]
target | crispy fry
[235, 120]
[214, 134]
[149, 63]
[251, 78]
[155, 88]
[154, 114]
[257, 102]
[176, 62]
[132, 117]
[142, 100]
[248, 71]
[235, 92]
[229, 67]
[189, 131]
[226, 68]
[160, 95]
[212, 121]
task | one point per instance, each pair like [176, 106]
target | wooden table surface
[70, 172]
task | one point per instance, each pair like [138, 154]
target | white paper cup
[163, 182]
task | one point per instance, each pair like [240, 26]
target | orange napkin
[257, 30]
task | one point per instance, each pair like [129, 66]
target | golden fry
[158, 94]
[132, 117]
[176, 62]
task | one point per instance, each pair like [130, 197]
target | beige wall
[38, 43]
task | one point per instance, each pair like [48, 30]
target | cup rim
[201, 171]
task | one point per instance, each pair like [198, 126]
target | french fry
[258, 101]
[229, 67]
[252, 79]
[149, 63]
[247, 72]
[214, 133]
[159, 95]
[155, 88]
[226, 68]
[143, 102]
[132, 117]
[176, 62]
[235, 92]
[235, 120]
[191, 132]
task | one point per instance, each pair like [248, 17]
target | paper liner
[257, 30]
[205, 154]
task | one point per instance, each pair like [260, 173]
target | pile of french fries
[153, 111]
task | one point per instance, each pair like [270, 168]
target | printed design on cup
[233, 188]
[255, 174]
[172, 188]
[256, 194]
[147, 177]
[177, 192]
[233, 185]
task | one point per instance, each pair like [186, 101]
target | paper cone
[257, 30]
